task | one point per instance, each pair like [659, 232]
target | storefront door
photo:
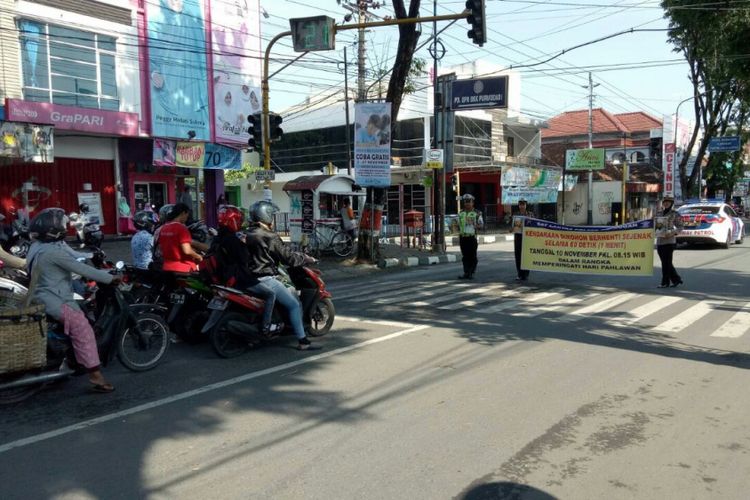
[153, 193]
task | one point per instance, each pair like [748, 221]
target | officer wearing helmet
[469, 221]
[666, 243]
[267, 251]
[51, 263]
[142, 243]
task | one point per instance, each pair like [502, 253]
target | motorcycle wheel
[143, 352]
[226, 343]
[321, 318]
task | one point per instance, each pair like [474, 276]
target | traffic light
[454, 182]
[256, 135]
[478, 21]
[274, 126]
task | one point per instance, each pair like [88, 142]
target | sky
[635, 71]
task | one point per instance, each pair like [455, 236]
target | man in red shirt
[175, 242]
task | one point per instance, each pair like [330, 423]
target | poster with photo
[372, 144]
[27, 142]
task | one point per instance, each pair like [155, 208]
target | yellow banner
[190, 154]
[615, 250]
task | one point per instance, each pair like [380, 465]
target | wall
[576, 206]
[10, 55]
[92, 148]
[605, 193]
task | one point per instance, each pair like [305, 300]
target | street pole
[348, 125]
[590, 218]
[361, 96]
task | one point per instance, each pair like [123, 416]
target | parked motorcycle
[88, 231]
[138, 338]
[235, 324]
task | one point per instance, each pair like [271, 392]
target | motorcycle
[138, 338]
[14, 237]
[236, 316]
[182, 299]
[88, 232]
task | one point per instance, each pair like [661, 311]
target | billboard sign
[97, 121]
[27, 142]
[372, 144]
[584, 159]
[533, 184]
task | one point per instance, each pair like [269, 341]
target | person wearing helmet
[522, 274]
[267, 251]
[666, 244]
[50, 264]
[234, 262]
[142, 243]
[176, 244]
[469, 221]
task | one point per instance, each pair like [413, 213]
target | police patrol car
[710, 221]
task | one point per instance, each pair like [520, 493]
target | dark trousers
[469, 247]
[668, 272]
[517, 245]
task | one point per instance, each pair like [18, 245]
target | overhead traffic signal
[478, 21]
[274, 126]
[254, 129]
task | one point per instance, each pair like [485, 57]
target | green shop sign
[584, 159]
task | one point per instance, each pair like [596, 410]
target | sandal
[102, 388]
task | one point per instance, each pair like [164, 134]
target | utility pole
[590, 218]
[348, 125]
[361, 90]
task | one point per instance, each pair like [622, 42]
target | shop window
[67, 66]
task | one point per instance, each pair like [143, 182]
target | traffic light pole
[266, 76]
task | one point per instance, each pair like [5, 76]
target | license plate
[217, 304]
[177, 298]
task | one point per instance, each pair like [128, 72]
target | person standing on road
[348, 222]
[666, 244]
[469, 221]
[522, 274]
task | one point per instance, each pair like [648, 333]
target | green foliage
[235, 176]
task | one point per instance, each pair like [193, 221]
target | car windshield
[698, 210]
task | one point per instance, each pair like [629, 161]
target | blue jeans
[286, 298]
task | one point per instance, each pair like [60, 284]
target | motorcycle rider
[175, 242]
[54, 262]
[234, 263]
[9, 260]
[266, 252]
[142, 243]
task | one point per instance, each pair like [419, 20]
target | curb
[418, 261]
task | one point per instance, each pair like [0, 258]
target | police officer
[469, 221]
[523, 274]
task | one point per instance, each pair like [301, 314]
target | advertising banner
[611, 250]
[98, 121]
[185, 154]
[584, 159]
[533, 184]
[669, 169]
[27, 142]
[178, 69]
[372, 144]
[94, 201]
[235, 27]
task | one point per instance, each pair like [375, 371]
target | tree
[402, 66]
[712, 41]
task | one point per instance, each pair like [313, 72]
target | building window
[67, 66]
[511, 142]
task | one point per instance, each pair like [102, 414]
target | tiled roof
[575, 123]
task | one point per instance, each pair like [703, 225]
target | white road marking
[598, 307]
[647, 309]
[686, 318]
[452, 296]
[555, 305]
[737, 325]
[410, 295]
[4, 448]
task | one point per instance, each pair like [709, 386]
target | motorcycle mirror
[120, 265]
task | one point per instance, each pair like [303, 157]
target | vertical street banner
[236, 45]
[626, 250]
[372, 144]
[668, 160]
[178, 69]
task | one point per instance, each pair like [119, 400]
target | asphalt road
[565, 387]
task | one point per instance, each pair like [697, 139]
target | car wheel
[728, 243]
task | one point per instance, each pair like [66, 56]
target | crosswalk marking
[387, 293]
[736, 326]
[637, 314]
[502, 307]
[481, 300]
[409, 295]
[555, 305]
[686, 318]
[371, 288]
[453, 295]
[598, 307]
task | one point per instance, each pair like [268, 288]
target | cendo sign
[433, 158]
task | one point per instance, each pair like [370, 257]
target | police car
[710, 222]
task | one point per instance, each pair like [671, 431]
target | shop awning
[331, 184]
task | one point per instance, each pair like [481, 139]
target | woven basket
[23, 334]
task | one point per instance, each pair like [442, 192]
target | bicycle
[329, 237]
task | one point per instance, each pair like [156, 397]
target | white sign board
[94, 201]
[372, 144]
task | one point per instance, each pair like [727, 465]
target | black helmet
[164, 212]
[145, 220]
[83, 208]
[263, 211]
[49, 225]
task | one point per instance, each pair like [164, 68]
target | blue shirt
[142, 246]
